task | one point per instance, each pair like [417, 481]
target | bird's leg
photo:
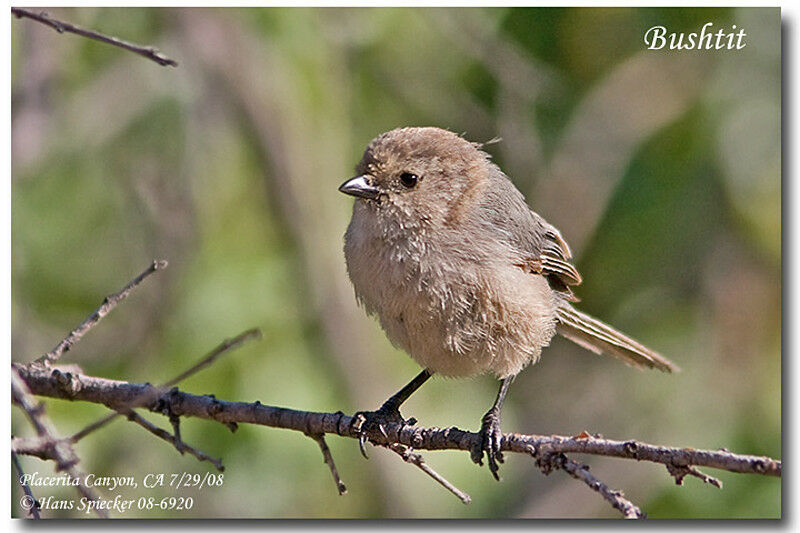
[490, 432]
[389, 412]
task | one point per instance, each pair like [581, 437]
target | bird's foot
[489, 443]
[365, 422]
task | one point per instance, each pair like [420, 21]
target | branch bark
[31, 499]
[123, 395]
[56, 449]
[60, 26]
[108, 305]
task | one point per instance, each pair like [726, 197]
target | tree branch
[408, 455]
[546, 449]
[34, 503]
[226, 346]
[108, 305]
[60, 26]
[581, 472]
[327, 457]
[57, 450]
[123, 397]
[175, 440]
[46, 447]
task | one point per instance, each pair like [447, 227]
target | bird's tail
[599, 337]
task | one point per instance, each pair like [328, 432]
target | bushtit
[460, 272]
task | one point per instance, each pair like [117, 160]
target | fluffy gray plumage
[460, 272]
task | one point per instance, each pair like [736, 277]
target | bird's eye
[408, 179]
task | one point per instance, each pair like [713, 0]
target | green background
[661, 168]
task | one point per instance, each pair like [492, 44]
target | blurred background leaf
[662, 170]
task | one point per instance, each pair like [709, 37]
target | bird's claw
[489, 443]
[365, 422]
[362, 440]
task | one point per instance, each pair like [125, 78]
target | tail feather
[599, 337]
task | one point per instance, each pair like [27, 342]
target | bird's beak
[360, 188]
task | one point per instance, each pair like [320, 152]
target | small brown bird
[460, 272]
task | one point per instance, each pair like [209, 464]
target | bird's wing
[538, 248]
[555, 258]
[553, 262]
[506, 215]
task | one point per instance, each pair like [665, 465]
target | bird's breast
[455, 313]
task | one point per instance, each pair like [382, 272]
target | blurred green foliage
[668, 186]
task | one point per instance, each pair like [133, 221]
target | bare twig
[60, 451]
[106, 307]
[172, 439]
[41, 447]
[124, 397]
[60, 26]
[34, 503]
[328, 458]
[408, 455]
[226, 346]
[94, 426]
[121, 394]
[680, 472]
[581, 472]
